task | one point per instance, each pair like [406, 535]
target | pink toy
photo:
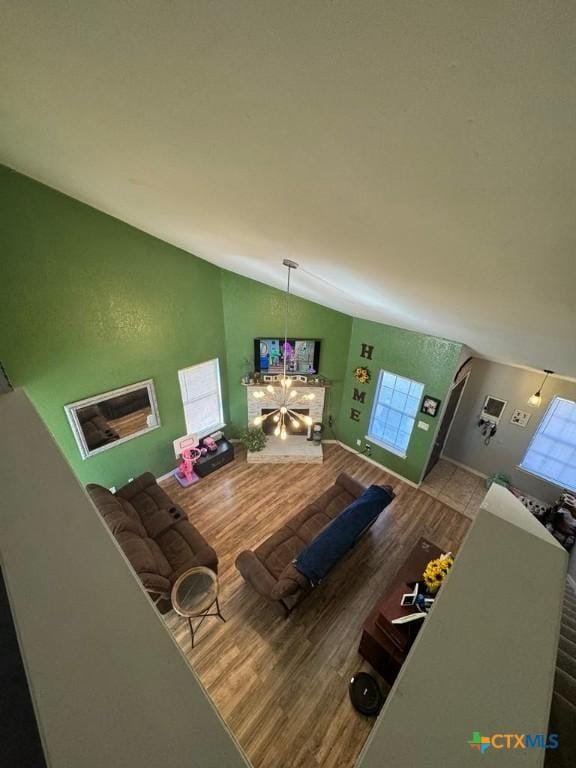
[210, 444]
[185, 473]
[187, 451]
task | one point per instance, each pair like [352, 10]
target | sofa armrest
[291, 582]
[255, 573]
[353, 486]
[155, 583]
[136, 486]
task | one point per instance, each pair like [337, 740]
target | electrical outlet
[358, 442]
[130, 479]
[367, 449]
[423, 425]
[112, 489]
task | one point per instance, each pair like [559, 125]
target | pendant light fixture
[535, 400]
[285, 399]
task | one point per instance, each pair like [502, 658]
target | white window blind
[201, 397]
[395, 406]
[551, 454]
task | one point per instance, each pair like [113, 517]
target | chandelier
[285, 399]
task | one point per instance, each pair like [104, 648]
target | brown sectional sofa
[269, 569]
[154, 533]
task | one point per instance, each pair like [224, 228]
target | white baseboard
[375, 463]
[346, 448]
[464, 466]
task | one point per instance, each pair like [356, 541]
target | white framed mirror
[111, 418]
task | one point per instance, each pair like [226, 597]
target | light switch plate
[520, 418]
[423, 425]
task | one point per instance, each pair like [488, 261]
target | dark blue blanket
[335, 540]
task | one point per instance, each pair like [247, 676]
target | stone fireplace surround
[296, 448]
[315, 407]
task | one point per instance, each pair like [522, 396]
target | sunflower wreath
[362, 375]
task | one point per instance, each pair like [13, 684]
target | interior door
[447, 419]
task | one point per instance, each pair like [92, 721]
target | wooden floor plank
[282, 685]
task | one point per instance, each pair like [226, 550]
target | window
[551, 454]
[202, 398]
[395, 407]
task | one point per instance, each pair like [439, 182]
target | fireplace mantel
[310, 383]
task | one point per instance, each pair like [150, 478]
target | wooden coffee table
[383, 644]
[194, 593]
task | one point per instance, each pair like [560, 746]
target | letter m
[359, 396]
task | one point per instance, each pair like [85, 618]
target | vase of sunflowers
[436, 571]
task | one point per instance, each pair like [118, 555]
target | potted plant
[253, 439]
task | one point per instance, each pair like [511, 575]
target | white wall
[506, 450]
[109, 685]
[485, 658]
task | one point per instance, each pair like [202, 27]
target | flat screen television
[302, 356]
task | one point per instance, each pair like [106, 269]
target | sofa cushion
[118, 513]
[144, 554]
[308, 523]
[334, 500]
[184, 548]
[279, 550]
[152, 506]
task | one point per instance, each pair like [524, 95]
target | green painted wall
[426, 359]
[87, 304]
[252, 309]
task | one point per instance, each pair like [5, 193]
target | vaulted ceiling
[418, 159]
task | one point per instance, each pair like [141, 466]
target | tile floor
[456, 487]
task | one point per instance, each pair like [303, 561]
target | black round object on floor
[365, 694]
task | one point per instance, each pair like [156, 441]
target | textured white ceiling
[419, 156]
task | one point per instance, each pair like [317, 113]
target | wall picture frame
[430, 405]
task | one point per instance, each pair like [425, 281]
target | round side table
[194, 593]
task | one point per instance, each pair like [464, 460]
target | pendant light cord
[286, 319]
[544, 380]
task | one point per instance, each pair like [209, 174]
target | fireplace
[270, 425]
[296, 448]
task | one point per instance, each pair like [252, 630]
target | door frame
[464, 379]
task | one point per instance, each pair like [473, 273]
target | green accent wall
[427, 359]
[88, 304]
[251, 310]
